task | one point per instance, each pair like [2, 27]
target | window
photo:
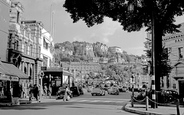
[25, 48]
[169, 50]
[22, 47]
[45, 44]
[28, 50]
[45, 60]
[18, 16]
[31, 50]
[180, 52]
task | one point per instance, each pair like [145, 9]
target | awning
[57, 70]
[4, 75]
[12, 70]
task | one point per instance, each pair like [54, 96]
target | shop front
[10, 76]
[55, 78]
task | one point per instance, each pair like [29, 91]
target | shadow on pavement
[35, 106]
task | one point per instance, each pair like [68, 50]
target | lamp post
[131, 8]
[132, 97]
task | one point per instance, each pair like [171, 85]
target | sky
[109, 32]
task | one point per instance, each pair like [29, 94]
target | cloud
[77, 38]
[105, 40]
[105, 30]
[109, 27]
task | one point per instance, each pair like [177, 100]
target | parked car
[75, 91]
[169, 95]
[113, 91]
[122, 89]
[98, 91]
[81, 90]
[164, 96]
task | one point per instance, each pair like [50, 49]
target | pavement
[160, 110]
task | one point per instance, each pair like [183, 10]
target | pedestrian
[49, 91]
[30, 92]
[45, 90]
[36, 92]
[66, 95]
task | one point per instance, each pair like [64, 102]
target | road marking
[95, 101]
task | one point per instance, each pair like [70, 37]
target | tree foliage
[93, 12]
[164, 63]
[141, 14]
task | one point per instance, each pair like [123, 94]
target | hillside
[91, 52]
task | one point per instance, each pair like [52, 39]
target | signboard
[43, 68]
[8, 78]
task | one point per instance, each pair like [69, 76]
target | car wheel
[92, 94]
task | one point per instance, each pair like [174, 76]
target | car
[98, 91]
[169, 95]
[81, 90]
[113, 91]
[75, 91]
[164, 95]
[122, 89]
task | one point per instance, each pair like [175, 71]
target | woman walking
[66, 96]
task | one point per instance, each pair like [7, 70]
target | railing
[147, 99]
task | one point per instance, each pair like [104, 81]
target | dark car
[169, 95]
[164, 96]
[75, 91]
[81, 90]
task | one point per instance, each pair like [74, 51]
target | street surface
[82, 105]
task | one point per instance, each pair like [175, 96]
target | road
[82, 105]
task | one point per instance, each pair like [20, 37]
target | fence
[147, 99]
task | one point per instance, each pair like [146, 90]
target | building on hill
[80, 69]
[115, 49]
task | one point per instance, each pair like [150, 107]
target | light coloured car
[98, 92]
[113, 91]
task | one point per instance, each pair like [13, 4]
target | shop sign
[8, 78]
[14, 79]
[4, 77]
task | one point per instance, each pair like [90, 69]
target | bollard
[177, 107]
[132, 97]
[147, 103]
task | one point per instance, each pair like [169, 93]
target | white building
[47, 47]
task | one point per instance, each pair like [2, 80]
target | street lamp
[131, 8]
[132, 97]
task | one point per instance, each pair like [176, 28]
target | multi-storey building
[47, 45]
[23, 49]
[174, 43]
[35, 29]
[115, 49]
[10, 51]
[81, 68]
[4, 22]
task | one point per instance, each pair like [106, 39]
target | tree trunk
[158, 51]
